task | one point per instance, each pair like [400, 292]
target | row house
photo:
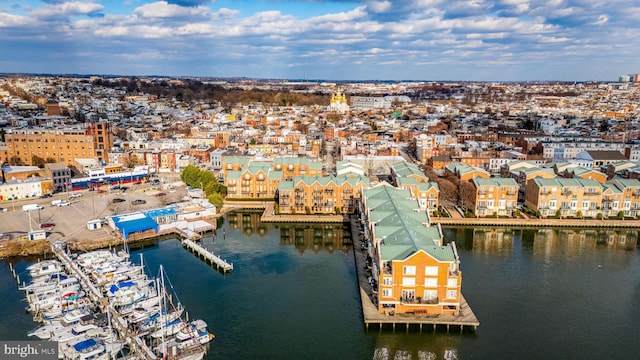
[256, 181]
[409, 177]
[565, 197]
[321, 194]
[626, 192]
[30, 188]
[494, 196]
[413, 271]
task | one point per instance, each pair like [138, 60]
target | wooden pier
[371, 316]
[208, 256]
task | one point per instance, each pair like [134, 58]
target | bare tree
[467, 195]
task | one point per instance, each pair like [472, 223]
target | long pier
[139, 346]
[208, 256]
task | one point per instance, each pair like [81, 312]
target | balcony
[591, 193]
[419, 300]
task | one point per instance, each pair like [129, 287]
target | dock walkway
[465, 319]
[208, 256]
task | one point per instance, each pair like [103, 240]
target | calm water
[552, 294]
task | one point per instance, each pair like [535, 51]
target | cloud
[383, 38]
[63, 10]
[162, 9]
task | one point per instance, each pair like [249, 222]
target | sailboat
[189, 346]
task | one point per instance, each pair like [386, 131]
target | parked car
[115, 187]
[118, 200]
[100, 191]
[75, 195]
[63, 203]
[124, 188]
[44, 196]
[47, 225]
[3, 209]
[139, 202]
[161, 194]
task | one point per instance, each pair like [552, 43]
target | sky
[474, 40]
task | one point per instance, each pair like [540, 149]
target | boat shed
[133, 223]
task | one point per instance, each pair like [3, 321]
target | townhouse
[320, 194]
[494, 196]
[564, 197]
[260, 179]
[409, 177]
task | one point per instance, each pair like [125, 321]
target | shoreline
[24, 248]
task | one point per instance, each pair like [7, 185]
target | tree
[466, 194]
[37, 161]
[216, 199]
[448, 193]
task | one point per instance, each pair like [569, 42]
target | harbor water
[539, 294]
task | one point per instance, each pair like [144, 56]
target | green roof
[400, 227]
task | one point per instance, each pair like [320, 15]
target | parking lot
[68, 223]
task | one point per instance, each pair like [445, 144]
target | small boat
[44, 332]
[44, 268]
[194, 332]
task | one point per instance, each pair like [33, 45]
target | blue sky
[511, 40]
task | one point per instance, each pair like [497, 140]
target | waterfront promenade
[536, 223]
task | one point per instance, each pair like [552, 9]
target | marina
[142, 319]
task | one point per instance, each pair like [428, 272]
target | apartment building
[564, 197]
[260, 179]
[494, 196]
[54, 145]
[321, 194]
[412, 269]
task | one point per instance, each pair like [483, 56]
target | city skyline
[509, 40]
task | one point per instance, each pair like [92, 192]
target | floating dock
[208, 256]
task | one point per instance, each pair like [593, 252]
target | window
[452, 282]
[387, 280]
[431, 282]
[430, 294]
[431, 270]
[387, 293]
[452, 294]
[408, 270]
[408, 281]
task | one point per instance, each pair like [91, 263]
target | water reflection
[314, 237]
[542, 241]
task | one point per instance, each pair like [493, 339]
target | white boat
[140, 314]
[157, 321]
[44, 332]
[145, 303]
[39, 287]
[127, 293]
[77, 331]
[42, 281]
[44, 268]
[194, 333]
[74, 316]
[93, 259]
